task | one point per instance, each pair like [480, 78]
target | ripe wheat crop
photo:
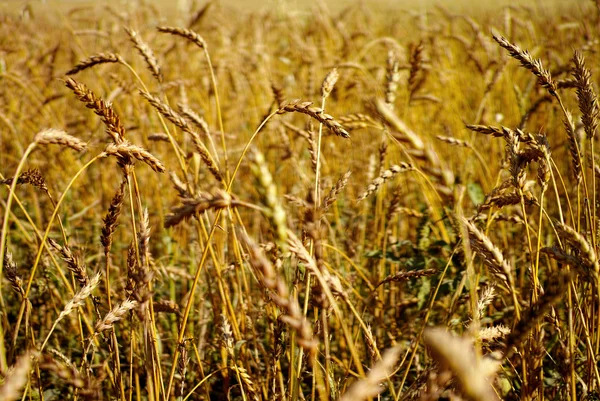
[327, 205]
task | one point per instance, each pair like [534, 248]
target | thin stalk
[11, 192]
[47, 232]
[424, 325]
[219, 116]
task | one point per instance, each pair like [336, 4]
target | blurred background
[289, 5]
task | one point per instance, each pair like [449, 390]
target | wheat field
[313, 202]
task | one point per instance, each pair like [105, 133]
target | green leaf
[475, 193]
[424, 292]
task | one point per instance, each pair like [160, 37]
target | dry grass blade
[100, 58]
[59, 137]
[370, 386]
[457, 355]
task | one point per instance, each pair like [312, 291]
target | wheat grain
[146, 53]
[58, 137]
[533, 65]
[297, 106]
[100, 58]
[384, 176]
[115, 315]
[125, 150]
